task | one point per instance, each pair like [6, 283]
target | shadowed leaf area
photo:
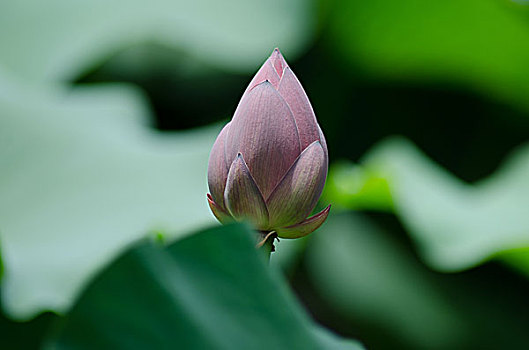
[212, 290]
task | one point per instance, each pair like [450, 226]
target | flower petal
[264, 131]
[305, 227]
[323, 142]
[292, 91]
[219, 213]
[296, 195]
[218, 169]
[266, 72]
[324, 146]
[242, 196]
[278, 62]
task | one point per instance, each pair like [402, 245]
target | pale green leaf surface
[60, 39]
[454, 224]
[81, 178]
[212, 290]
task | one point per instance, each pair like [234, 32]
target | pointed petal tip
[264, 83]
[242, 197]
[217, 211]
[267, 72]
[278, 62]
[305, 227]
[276, 53]
[322, 145]
[297, 193]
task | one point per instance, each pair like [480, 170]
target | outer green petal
[305, 227]
[242, 196]
[219, 213]
[218, 167]
[296, 195]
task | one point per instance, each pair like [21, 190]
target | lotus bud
[269, 164]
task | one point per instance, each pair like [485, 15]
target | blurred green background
[108, 112]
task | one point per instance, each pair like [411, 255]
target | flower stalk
[266, 243]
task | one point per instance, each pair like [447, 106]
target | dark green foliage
[212, 290]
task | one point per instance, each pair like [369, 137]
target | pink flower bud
[269, 164]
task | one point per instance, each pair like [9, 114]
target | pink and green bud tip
[269, 164]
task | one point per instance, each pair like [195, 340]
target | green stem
[266, 242]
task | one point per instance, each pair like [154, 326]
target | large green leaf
[480, 44]
[367, 276]
[208, 291]
[455, 225]
[80, 178]
[373, 285]
[58, 39]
